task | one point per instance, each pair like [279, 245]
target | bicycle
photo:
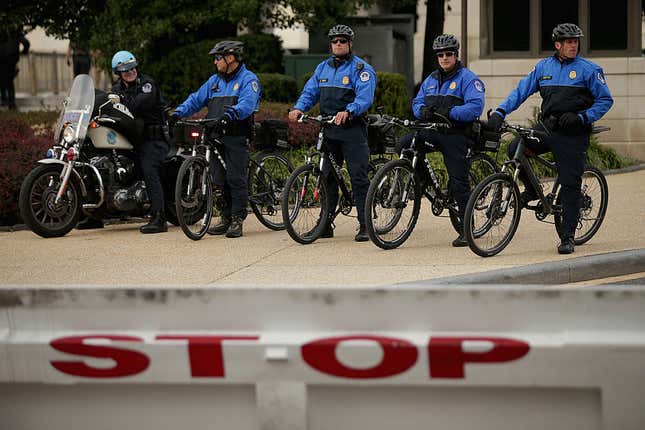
[394, 197]
[305, 204]
[195, 192]
[494, 208]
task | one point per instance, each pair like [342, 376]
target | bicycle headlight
[68, 134]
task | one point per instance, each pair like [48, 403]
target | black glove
[173, 119]
[427, 113]
[435, 114]
[570, 122]
[495, 121]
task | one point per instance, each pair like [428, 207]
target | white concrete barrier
[452, 357]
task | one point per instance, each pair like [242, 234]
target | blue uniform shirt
[239, 95]
[350, 87]
[462, 92]
[576, 85]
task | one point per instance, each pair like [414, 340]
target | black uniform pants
[357, 154]
[570, 153]
[7, 75]
[233, 179]
[454, 149]
[151, 155]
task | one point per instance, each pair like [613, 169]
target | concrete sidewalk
[120, 256]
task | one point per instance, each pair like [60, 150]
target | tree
[435, 17]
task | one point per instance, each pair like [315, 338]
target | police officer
[143, 98]
[456, 94]
[232, 95]
[345, 86]
[574, 95]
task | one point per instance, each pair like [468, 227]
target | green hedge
[391, 93]
[185, 69]
[278, 88]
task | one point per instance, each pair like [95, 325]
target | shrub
[185, 69]
[20, 148]
[278, 88]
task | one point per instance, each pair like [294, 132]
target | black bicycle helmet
[445, 42]
[341, 30]
[566, 31]
[225, 47]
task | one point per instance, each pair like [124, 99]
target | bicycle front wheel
[194, 197]
[492, 215]
[594, 195]
[305, 204]
[392, 204]
[268, 174]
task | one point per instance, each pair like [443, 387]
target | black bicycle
[305, 201]
[394, 196]
[195, 192]
[494, 208]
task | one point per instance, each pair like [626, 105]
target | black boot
[89, 223]
[328, 232]
[220, 228]
[157, 224]
[567, 246]
[235, 229]
[460, 241]
[361, 236]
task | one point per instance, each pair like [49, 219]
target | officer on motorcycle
[141, 95]
[233, 95]
[345, 86]
[452, 93]
[574, 95]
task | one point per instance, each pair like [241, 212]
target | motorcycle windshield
[78, 107]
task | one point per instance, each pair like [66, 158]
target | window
[511, 25]
[522, 28]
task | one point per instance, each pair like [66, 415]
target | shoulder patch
[479, 86]
[359, 66]
[254, 86]
[365, 76]
[147, 87]
[601, 78]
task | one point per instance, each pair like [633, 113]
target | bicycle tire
[384, 207]
[305, 189]
[595, 198]
[267, 176]
[490, 204]
[194, 195]
[481, 167]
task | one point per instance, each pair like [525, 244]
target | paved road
[119, 255]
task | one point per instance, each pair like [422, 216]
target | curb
[558, 272]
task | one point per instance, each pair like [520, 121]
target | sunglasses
[341, 41]
[445, 54]
[217, 57]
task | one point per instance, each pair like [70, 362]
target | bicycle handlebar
[411, 124]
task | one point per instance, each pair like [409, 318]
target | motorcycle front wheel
[38, 206]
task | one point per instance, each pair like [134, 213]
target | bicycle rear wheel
[305, 204]
[492, 215]
[268, 174]
[392, 204]
[595, 198]
[194, 197]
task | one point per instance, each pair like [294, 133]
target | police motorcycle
[91, 170]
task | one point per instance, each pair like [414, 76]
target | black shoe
[89, 223]
[235, 228]
[157, 224]
[220, 228]
[527, 196]
[328, 232]
[460, 241]
[361, 236]
[567, 246]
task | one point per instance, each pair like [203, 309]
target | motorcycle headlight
[68, 134]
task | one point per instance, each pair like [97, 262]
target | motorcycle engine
[123, 192]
